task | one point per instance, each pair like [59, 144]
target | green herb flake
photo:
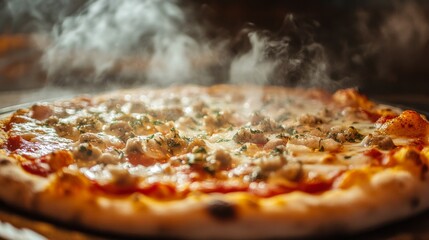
[200, 149]
[172, 143]
[291, 131]
[157, 122]
[151, 136]
[255, 131]
[82, 149]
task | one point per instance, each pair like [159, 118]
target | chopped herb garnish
[82, 149]
[291, 131]
[151, 136]
[202, 136]
[157, 122]
[200, 149]
[158, 142]
[282, 135]
[172, 143]
[255, 131]
[136, 123]
[278, 150]
[120, 153]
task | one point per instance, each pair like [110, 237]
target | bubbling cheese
[192, 137]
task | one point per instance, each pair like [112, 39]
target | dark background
[394, 67]
[355, 35]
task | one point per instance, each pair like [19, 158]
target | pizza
[225, 161]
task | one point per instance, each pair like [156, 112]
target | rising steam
[155, 42]
[144, 39]
[162, 43]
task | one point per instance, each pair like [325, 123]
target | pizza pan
[18, 224]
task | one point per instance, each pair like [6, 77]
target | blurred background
[381, 47]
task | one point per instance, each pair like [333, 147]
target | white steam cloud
[142, 38]
[155, 42]
[159, 42]
[253, 67]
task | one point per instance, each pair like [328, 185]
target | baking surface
[16, 225]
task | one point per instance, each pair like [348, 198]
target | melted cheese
[193, 137]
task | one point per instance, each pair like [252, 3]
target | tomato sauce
[139, 159]
[37, 167]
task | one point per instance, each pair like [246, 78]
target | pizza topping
[66, 130]
[153, 146]
[274, 143]
[407, 124]
[309, 141]
[41, 111]
[88, 124]
[245, 135]
[120, 129]
[291, 171]
[37, 167]
[329, 145]
[222, 159]
[351, 98]
[86, 152]
[58, 159]
[307, 119]
[381, 141]
[342, 135]
[170, 146]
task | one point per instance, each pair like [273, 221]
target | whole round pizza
[226, 162]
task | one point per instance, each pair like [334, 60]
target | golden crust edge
[390, 197]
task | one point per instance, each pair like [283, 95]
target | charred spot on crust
[5, 161]
[414, 202]
[222, 210]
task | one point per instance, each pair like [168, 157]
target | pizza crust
[391, 195]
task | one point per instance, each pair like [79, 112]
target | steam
[155, 42]
[161, 43]
[111, 35]
[398, 43]
[289, 57]
[34, 15]
[253, 67]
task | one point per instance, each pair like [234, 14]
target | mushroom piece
[381, 141]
